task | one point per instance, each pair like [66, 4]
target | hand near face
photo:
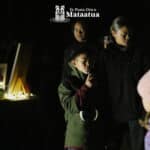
[89, 82]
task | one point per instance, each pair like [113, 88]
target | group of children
[98, 91]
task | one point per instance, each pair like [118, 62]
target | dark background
[39, 124]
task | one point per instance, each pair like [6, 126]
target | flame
[17, 88]
[20, 91]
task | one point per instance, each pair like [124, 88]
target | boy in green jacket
[78, 97]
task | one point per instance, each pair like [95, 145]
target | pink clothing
[147, 139]
[144, 90]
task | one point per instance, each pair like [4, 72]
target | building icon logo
[60, 14]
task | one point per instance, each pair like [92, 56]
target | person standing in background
[122, 64]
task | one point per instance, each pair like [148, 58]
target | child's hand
[89, 81]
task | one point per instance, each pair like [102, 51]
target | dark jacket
[120, 70]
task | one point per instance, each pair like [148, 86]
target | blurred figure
[80, 41]
[122, 64]
[144, 91]
[81, 101]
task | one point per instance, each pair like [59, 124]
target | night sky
[38, 124]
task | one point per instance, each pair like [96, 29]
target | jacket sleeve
[72, 101]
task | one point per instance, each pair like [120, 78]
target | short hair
[83, 23]
[77, 51]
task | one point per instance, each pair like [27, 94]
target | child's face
[79, 32]
[121, 36]
[81, 62]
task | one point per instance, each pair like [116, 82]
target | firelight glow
[16, 96]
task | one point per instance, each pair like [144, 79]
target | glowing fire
[18, 92]
[17, 88]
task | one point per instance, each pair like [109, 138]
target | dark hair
[76, 52]
[72, 53]
[82, 22]
[119, 22]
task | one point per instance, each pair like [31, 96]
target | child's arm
[72, 101]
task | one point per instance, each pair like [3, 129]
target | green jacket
[77, 131]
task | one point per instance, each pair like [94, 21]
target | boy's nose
[87, 64]
[127, 37]
[80, 32]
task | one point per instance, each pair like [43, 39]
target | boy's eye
[83, 62]
[124, 34]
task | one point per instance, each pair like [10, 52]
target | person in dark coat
[122, 64]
